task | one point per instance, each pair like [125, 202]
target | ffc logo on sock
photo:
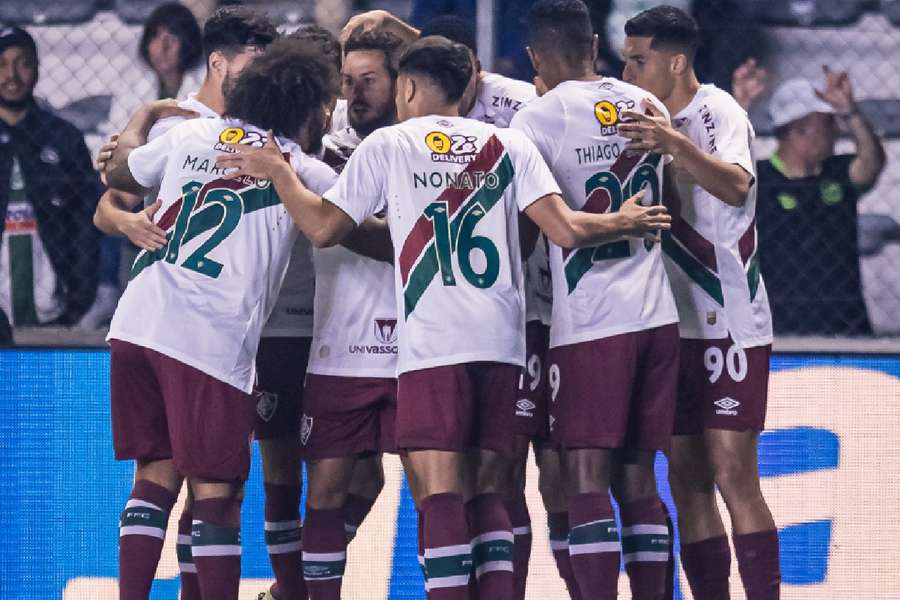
[143, 518]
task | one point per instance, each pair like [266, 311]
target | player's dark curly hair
[387, 43]
[563, 26]
[231, 28]
[283, 87]
[454, 28]
[669, 28]
[446, 63]
[321, 39]
[180, 21]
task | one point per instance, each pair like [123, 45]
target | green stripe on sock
[183, 551]
[144, 516]
[647, 542]
[448, 566]
[321, 569]
[493, 551]
[594, 533]
[207, 534]
[285, 536]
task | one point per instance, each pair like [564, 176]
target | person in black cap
[48, 189]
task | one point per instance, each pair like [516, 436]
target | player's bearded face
[316, 128]
[369, 89]
[647, 68]
[18, 75]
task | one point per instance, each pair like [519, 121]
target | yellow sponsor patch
[438, 142]
[606, 112]
[232, 135]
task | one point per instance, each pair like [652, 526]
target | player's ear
[679, 63]
[216, 63]
[595, 48]
[410, 91]
[532, 58]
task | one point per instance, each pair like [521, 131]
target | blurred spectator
[171, 45]
[807, 209]
[48, 190]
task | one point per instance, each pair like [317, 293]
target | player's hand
[838, 91]
[261, 163]
[163, 109]
[373, 20]
[141, 230]
[748, 82]
[650, 132]
[640, 220]
[106, 152]
[540, 87]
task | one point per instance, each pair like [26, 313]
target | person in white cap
[807, 208]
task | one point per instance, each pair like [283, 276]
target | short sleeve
[532, 179]
[538, 122]
[359, 190]
[734, 136]
[315, 175]
[148, 163]
[162, 126]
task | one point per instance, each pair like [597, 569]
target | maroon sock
[492, 542]
[283, 539]
[757, 556]
[356, 509]
[707, 565]
[324, 553]
[448, 553]
[670, 564]
[216, 547]
[594, 545]
[558, 523]
[142, 531]
[517, 509]
[190, 585]
[645, 547]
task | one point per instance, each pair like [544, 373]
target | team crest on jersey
[306, 429]
[455, 148]
[386, 331]
[266, 405]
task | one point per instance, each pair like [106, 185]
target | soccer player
[725, 323]
[613, 339]
[452, 189]
[351, 386]
[185, 334]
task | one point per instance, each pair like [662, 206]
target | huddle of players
[439, 364]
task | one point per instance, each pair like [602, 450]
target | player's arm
[380, 20]
[371, 239]
[528, 235]
[653, 133]
[115, 215]
[323, 223]
[575, 229]
[134, 136]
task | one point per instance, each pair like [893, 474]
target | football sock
[517, 509]
[190, 585]
[492, 546]
[558, 523]
[757, 557]
[216, 547]
[283, 539]
[707, 565]
[646, 546]
[324, 553]
[142, 531]
[448, 553]
[594, 545]
[356, 509]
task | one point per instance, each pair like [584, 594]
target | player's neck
[210, 94]
[683, 93]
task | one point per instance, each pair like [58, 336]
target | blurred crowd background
[829, 234]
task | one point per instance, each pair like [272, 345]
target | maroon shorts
[163, 408]
[531, 411]
[348, 416]
[280, 368]
[457, 407]
[721, 386]
[615, 392]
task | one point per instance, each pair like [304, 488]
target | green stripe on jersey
[693, 268]
[753, 276]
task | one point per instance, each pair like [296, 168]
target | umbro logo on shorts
[266, 405]
[525, 408]
[727, 406]
[306, 429]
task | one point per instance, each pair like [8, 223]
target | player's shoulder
[720, 103]
[500, 87]
[315, 174]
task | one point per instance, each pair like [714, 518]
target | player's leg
[216, 536]
[140, 433]
[552, 488]
[325, 536]
[281, 363]
[435, 409]
[187, 571]
[519, 517]
[646, 535]
[366, 484]
[705, 553]
[734, 461]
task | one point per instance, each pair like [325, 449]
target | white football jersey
[203, 298]
[617, 287]
[452, 188]
[500, 98]
[356, 310]
[292, 315]
[711, 254]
